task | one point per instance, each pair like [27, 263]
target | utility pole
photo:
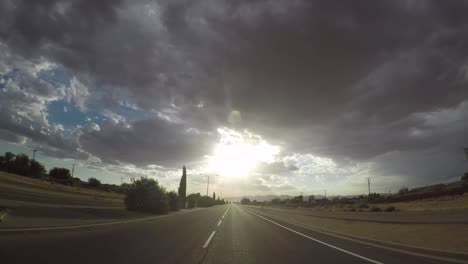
[34, 153]
[325, 191]
[121, 181]
[73, 168]
[208, 186]
[368, 184]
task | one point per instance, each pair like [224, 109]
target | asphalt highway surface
[221, 234]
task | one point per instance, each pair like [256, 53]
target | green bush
[93, 182]
[465, 177]
[375, 209]
[146, 195]
[206, 201]
[390, 209]
[61, 175]
[192, 200]
[174, 201]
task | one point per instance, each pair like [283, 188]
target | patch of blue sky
[69, 115]
[5, 77]
[131, 114]
[55, 76]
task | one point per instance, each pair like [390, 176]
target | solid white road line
[341, 235]
[209, 239]
[3, 214]
[318, 241]
[219, 223]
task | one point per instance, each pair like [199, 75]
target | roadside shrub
[390, 209]
[146, 195]
[93, 182]
[375, 209]
[192, 200]
[61, 175]
[174, 201]
[465, 177]
[403, 190]
[245, 201]
[206, 201]
[362, 205]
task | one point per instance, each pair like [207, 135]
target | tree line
[22, 165]
[147, 195]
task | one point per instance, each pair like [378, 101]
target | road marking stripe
[219, 223]
[225, 212]
[318, 241]
[209, 239]
[344, 236]
[4, 213]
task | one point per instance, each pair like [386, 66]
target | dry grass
[447, 237]
[17, 182]
[448, 202]
[432, 204]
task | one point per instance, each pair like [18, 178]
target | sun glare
[237, 153]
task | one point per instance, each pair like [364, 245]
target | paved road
[222, 234]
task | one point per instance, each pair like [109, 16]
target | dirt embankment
[38, 203]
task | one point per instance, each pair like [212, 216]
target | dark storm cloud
[151, 141]
[347, 80]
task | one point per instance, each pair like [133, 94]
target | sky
[264, 97]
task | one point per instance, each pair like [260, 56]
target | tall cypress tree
[183, 187]
[214, 196]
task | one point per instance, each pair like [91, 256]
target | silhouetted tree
[206, 201]
[2, 163]
[183, 187]
[297, 199]
[20, 165]
[311, 198]
[403, 190]
[276, 201]
[93, 182]
[174, 201]
[61, 175]
[9, 158]
[36, 169]
[245, 201]
[214, 196]
[192, 200]
[465, 177]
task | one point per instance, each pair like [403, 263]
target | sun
[237, 153]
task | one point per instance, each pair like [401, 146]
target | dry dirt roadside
[38, 203]
[456, 216]
[445, 237]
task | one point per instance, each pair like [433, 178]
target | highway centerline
[209, 239]
[315, 240]
[214, 232]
